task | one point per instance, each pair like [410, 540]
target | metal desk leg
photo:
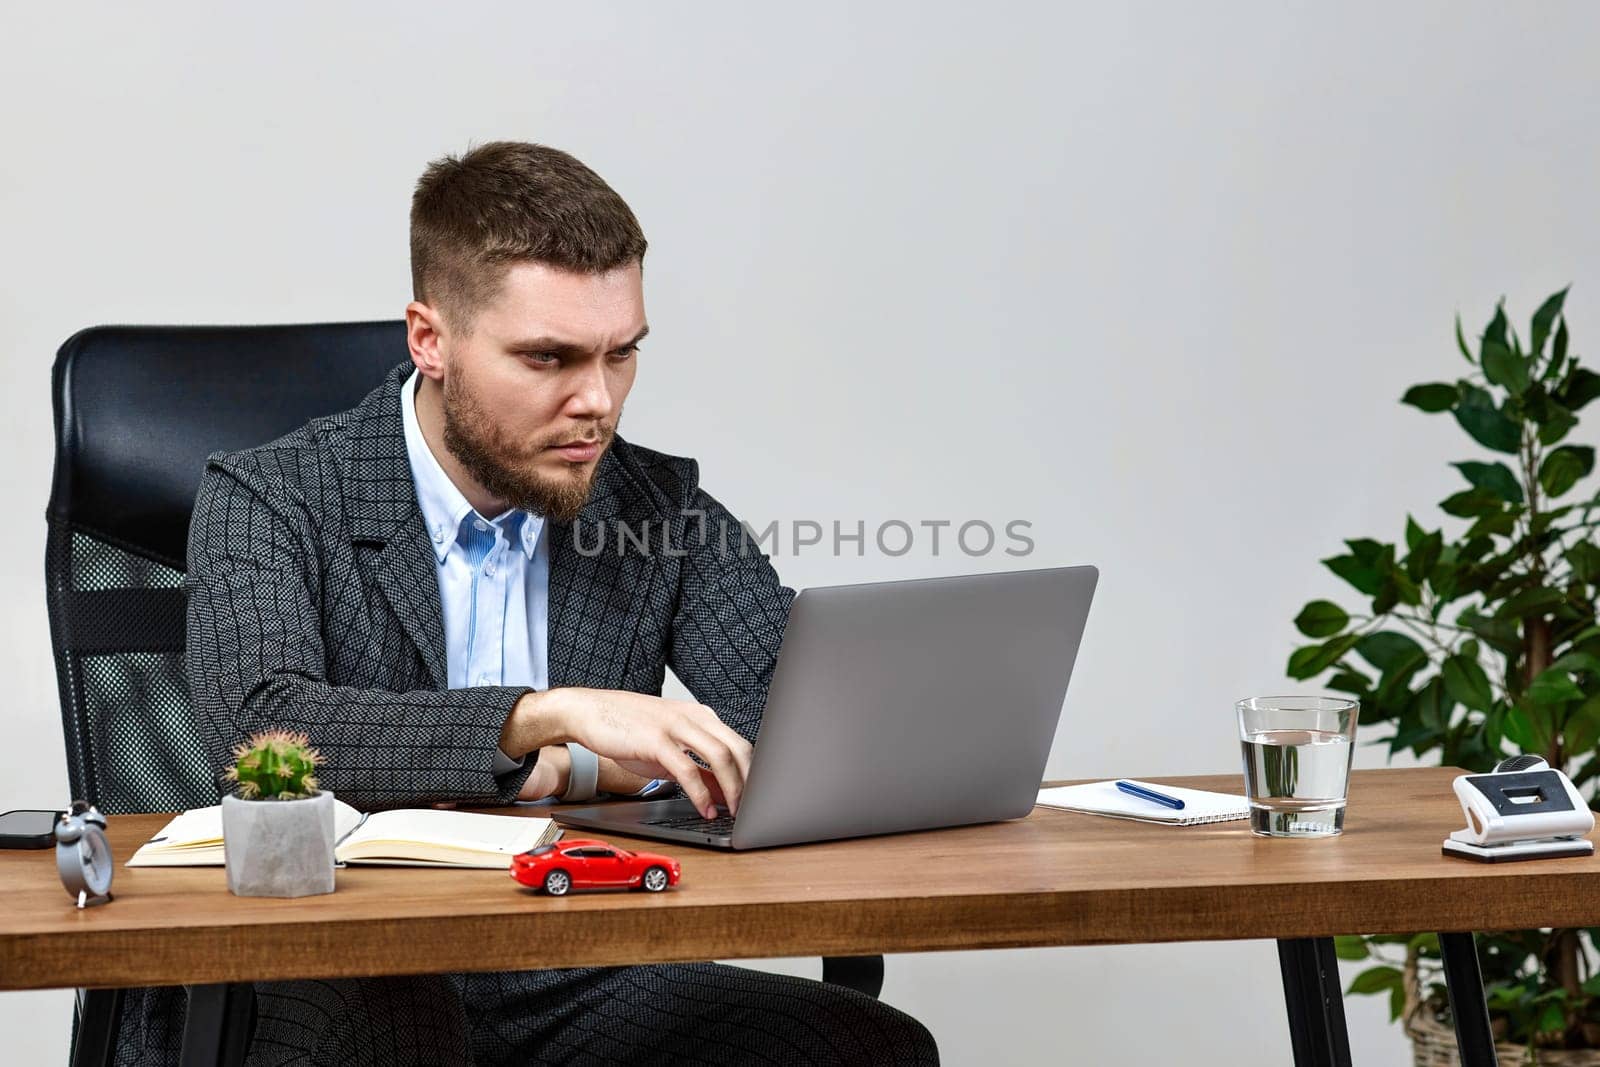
[1464, 981]
[217, 1025]
[99, 1016]
[1316, 1004]
[864, 974]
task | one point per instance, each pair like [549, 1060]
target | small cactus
[276, 765]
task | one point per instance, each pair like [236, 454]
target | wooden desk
[1053, 878]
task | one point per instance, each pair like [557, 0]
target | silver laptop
[896, 706]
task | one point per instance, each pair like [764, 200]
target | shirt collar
[444, 508]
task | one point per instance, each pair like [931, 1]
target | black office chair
[137, 410]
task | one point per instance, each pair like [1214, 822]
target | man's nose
[591, 393]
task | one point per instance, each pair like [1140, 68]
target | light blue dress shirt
[494, 578]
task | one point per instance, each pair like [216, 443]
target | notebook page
[398, 834]
[194, 838]
[1104, 798]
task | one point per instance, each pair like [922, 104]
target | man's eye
[543, 357]
[626, 353]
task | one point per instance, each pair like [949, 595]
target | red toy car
[584, 863]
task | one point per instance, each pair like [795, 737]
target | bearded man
[401, 581]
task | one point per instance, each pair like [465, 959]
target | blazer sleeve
[730, 617]
[255, 659]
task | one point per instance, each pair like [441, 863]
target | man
[414, 583]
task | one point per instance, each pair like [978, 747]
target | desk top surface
[1053, 878]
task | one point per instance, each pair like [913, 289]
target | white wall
[1150, 276]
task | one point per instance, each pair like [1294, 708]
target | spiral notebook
[1104, 798]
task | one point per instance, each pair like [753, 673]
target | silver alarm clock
[83, 856]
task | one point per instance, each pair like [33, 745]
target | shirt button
[488, 568]
[438, 535]
[483, 679]
[479, 524]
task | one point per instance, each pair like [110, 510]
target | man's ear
[424, 336]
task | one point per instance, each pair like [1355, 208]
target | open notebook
[1104, 798]
[404, 837]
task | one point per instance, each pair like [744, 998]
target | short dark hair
[509, 201]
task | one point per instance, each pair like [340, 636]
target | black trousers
[696, 1013]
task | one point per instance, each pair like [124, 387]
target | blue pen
[1150, 794]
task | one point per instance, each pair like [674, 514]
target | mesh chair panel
[119, 662]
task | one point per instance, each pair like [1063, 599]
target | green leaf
[1432, 705]
[1312, 660]
[1350, 947]
[1536, 601]
[1432, 397]
[1496, 330]
[1553, 1019]
[1545, 317]
[1388, 649]
[1423, 555]
[1558, 351]
[1584, 557]
[1583, 730]
[1396, 587]
[1352, 682]
[1376, 980]
[1414, 533]
[1321, 618]
[1470, 503]
[1494, 477]
[1553, 686]
[1581, 386]
[1557, 423]
[1584, 662]
[1545, 519]
[1366, 549]
[1466, 683]
[1364, 576]
[1424, 944]
[1503, 635]
[1502, 524]
[1505, 368]
[1461, 341]
[1563, 466]
[1489, 428]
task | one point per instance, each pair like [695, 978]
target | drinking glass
[1297, 752]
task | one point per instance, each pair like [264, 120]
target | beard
[507, 468]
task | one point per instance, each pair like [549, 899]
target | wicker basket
[1433, 1042]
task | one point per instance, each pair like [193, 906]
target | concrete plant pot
[278, 848]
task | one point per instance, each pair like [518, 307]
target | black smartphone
[26, 828]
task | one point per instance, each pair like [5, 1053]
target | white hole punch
[1523, 810]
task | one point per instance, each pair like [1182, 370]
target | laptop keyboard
[722, 824]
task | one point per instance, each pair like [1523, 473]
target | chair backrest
[137, 411]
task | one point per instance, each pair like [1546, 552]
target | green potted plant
[1481, 644]
[277, 826]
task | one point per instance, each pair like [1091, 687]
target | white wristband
[584, 778]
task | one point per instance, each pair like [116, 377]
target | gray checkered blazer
[314, 604]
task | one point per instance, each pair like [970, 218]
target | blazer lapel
[407, 574]
[380, 500]
[597, 591]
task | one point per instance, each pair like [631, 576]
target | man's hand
[645, 735]
[550, 774]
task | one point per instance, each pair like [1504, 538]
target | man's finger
[715, 751]
[687, 774]
[737, 745]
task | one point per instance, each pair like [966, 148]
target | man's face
[548, 363]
